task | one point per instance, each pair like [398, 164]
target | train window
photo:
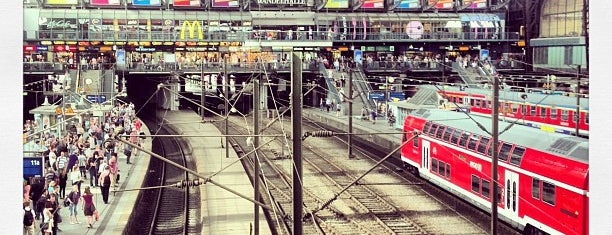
[463, 139]
[434, 165]
[486, 188]
[477, 103]
[447, 171]
[517, 155]
[515, 108]
[432, 130]
[586, 118]
[482, 146]
[489, 105]
[548, 193]
[415, 141]
[564, 115]
[505, 107]
[441, 168]
[504, 152]
[426, 128]
[524, 110]
[513, 196]
[507, 194]
[404, 137]
[532, 110]
[473, 142]
[440, 131]
[447, 133]
[535, 188]
[455, 137]
[472, 102]
[475, 184]
[553, 113]
[542, 112]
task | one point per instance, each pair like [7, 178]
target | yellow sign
[192, 27]
[547, 128]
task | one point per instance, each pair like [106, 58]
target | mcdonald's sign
[191, 27]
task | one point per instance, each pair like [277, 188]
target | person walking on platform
[93, 171]
[373, 113]
[73, 198]
[88, 206]
[364, 114]
[75, 177]
[105, 179]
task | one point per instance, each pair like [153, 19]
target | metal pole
[225, 93]
[577, 114]
[203, 96]
[350, 120]
[255, 146]
[495, 135]
[296, 117]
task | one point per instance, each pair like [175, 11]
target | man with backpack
[29, 224]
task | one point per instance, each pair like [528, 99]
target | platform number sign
[32, 166]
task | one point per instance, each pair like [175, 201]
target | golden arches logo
[192, 27]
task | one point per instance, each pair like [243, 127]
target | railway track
[167, 210]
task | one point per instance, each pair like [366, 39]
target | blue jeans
[73, 209]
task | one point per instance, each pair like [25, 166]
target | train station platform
[114, 215]
[223, 212]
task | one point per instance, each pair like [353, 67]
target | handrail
[264, 35]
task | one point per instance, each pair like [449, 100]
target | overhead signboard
[32, 167]
[373, 4]
[337, 4]
[478, 4]
[62, 2]
[146, 2]
[187, 3]
[280, 2]
[408, 4]
[105, 2]
[96, 98]
[441, 4]
[225, 3]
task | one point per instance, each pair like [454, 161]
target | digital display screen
[225, 3]
[337, 4]
[32, 166]
[408, 4]
[373, 4]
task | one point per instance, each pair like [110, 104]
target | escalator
[332, 92]
[363, 88]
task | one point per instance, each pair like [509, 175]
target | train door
[512, 195]
[425, 154]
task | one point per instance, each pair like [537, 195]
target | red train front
[542, 177]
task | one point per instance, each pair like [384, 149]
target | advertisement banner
[408, 4]
[442, 4]
[477, 4]
[105, 2]
[187, 3]
[62, 2]
[120, 55]
[146, 2]
[225, 3]
[335, 4]
[373, 4]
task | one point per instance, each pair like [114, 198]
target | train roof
[571, 147]
[515, 96]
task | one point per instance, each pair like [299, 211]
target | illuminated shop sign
[373, 4]
[332, 4]
[408, 4]
[226, 3]
[146, 2]
[105, 2]
[62, 2]
[187, 3]
[192, 27]
[441, 4]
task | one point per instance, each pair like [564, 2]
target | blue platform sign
[380, 96]
[96, 98]
[484, 53]
[396, 94]
[32, 166]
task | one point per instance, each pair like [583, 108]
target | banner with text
[225, 3]
[373, 4]
[146, 2]
[408, 4]
[105, 2]
[187, 3]
[478, 4]
[442, 4]
[62, 2]
[335, 4]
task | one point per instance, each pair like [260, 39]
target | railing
[217, 67]
[263, 35]
[410, 65]
[508, 65]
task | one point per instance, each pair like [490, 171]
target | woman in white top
[75, 176]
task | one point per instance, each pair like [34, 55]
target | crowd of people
[87, 156]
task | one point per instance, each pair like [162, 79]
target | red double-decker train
[542, 177]
[550, 112]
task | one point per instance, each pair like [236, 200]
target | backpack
[107, 180]
[28, 218]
